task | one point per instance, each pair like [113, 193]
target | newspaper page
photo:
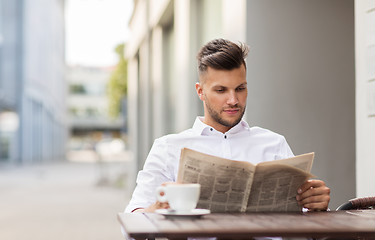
[275, 184]
[236, 186]
[225, 184]
[303, 161]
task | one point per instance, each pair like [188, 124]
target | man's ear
[199, 89]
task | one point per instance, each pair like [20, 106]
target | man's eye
[219, 90]
[241, 89]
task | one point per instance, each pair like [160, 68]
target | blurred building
[88, 103]
[32, 85]
[301, 74]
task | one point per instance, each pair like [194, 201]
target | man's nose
[232, 99]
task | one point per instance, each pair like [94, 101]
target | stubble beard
[217, 118]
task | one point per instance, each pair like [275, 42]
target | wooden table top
[356, 223]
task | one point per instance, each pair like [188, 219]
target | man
[222, 87]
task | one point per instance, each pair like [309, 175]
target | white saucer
[193, 213]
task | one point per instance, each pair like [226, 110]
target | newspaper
[237, 186]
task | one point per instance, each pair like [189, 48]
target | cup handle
[159, 190]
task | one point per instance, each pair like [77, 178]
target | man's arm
[157, 170]
[314, 195]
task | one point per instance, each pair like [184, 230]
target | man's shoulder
[259, 131]
[175, 136]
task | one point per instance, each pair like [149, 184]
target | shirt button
[225, 136]
[211, 129]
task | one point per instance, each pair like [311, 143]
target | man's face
[224, 94]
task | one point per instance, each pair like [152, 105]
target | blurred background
[87, 85]
[65, 166]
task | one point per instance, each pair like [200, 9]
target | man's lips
[231, 111]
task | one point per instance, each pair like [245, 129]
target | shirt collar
[203, 129]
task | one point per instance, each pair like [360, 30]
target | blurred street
[63, 200]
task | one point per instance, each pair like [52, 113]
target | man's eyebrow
[242, 84]
[219, 86]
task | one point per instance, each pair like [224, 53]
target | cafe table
[353, 224]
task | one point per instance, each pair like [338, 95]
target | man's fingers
[162, 205]
[314, 195]
[322, 190]
[312, 183]
[316, 206]
[315, 202]
[315, 199]
[154, 206]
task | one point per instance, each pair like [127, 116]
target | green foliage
[118, 83]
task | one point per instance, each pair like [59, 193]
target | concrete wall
[302, 82]
[365, 96]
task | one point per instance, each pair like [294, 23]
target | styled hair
[221, 54]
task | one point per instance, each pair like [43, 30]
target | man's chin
[230, 124]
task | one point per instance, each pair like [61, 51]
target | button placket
[226, 147]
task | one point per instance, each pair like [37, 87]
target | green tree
[118, 83]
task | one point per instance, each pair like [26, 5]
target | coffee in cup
[181, 197]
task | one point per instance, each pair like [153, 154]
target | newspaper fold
[237, 186]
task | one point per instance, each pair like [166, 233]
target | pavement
[64, 200]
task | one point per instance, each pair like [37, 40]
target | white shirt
[240, 143]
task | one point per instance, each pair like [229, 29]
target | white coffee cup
[181, 197]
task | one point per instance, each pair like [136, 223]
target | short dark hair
[221, 54]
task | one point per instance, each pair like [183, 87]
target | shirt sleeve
[154, 173]
[284, 149]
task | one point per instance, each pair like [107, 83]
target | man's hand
[314, 195]
[156, 205]
[153, 207]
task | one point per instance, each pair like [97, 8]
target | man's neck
[217, 126]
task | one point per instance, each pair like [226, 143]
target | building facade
[32, 84]
[301, 77]
[88, 106]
